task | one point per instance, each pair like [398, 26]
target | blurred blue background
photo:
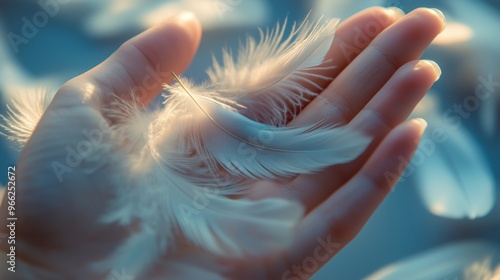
[83, 33]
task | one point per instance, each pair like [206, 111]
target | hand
[58, 232]
[377, 84]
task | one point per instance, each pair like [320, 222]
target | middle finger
[364, 77]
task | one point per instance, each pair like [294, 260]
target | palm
[59, 205]
[61, 202]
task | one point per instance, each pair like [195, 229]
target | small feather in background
[467, 260]
[165, 158]
[482, 270]
[459, 178]
[454, 178]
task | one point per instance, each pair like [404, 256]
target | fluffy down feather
[23, 115]
[178, 164]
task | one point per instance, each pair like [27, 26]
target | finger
[391, 106]
[141, 65]
[357, 84]
[340, 218]
[356, 33]
[351, 38]
[397, 99]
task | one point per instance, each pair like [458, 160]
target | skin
[374, 90]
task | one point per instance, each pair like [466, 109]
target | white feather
[455, 180]
[254, 150]
[270, 79]
[232, 227]
[23, 115]
[172, 209]
[482, 270]
[15, 81]
[446, 262]
[175, 167]
[24, 95]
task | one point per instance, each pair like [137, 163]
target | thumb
[141, 65]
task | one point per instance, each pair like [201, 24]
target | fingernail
[436, 67]
[188, 21]
[181, 17]
[441, 15]
[185, 17]
[396, 12]
[422, 124]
